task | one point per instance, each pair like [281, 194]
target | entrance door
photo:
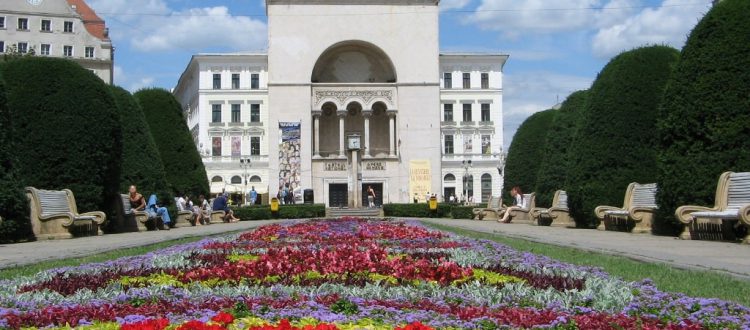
[338, 195]
[378, 187]
[447, 192]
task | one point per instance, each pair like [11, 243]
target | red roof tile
[93, 23]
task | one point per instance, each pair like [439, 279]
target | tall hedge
[184, 168]
[615, 143]
[141, 163]
[67, 131]
[553, 170]
[526, 150]
[13, 207]
[704, 126]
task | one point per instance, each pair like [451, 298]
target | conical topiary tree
[15, 224]
[553, 170]
[141, 163]
[184, 168]
[616, 140]
[66, 129]
[525, 151]
[704, 122]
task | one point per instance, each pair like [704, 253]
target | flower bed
[348, 274]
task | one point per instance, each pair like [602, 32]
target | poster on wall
[468, 144]
[216, 146]
[420, 179]
[289, 160]
[486, 144]
[236, 143]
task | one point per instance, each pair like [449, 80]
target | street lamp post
[245, 163]
[467, 166]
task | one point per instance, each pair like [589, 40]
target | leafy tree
[184, 168]
[13, 207]
[66, 129]
[616, 140]
[704, 121]
[141, 163]
[553, 170]
[526, 150]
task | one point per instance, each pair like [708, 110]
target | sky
[555, 47]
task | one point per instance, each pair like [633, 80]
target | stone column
[342, 136]
[316, 127]
[392, 133]
[367, 114]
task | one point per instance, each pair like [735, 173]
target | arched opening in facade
[329, 123]
[236, 179]
[255, 178]
[486, 182]
[217, 179]
[353, 62]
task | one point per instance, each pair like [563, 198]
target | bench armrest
[67, 216]
[100, 217]
[555, 212]
[535, 212]
[599, 210]
[745, 214]
[684, 213]
[639, 212]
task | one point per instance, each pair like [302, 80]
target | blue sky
[555, 47]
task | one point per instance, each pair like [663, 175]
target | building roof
[94, 24]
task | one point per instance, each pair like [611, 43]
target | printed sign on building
[420, 179]
[236, 143]
[289, 159]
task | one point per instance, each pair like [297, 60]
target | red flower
[155, 324]
[198, 325]
[223, 318]
[414, 326]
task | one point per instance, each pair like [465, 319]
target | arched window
[354, 62]
[468, 186]
[236, 179]
[217, 179]
[255, 178]
[486, 187]
[449, 178]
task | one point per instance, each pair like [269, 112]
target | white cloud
[513, 17]
[529, 92]
[453, 4]
[141, 83]
[668, 24]
[152, 26]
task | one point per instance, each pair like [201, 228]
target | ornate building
[350, 105]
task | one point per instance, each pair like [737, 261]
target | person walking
[371, 196]
[253, 195]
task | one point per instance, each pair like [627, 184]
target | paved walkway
[728, 258]
[12, 255]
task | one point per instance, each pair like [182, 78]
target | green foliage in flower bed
[704, 124]
[553, 170]
[616, 140]
[184, 169]
[67, 129]
[296, 211]
[526, 151]
[141, 163]
[422, 210]
[462, 212]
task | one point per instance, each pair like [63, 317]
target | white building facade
[345, 109]
[57, 28]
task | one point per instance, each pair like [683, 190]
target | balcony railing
[473, 157]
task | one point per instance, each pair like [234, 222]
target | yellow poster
[420, 179]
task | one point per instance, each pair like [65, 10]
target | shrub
[462, 212]
[296, 211]
[67, 129]
[182, 163]
[141, 163]
[421, 210]
[526, 150]
[704, 126]
[15, 224]
[553, 169]
[616, 139]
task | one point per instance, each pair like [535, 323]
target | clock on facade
[354, 142]
[35, 2]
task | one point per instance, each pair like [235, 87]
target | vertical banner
[216, 146]
[468, 144]
[289, 158]
[236, 143]
[420, 179]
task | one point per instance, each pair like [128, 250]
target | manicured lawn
[32, 269]
[666, 277]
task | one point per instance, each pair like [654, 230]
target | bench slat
[644, 195]
[738, 192]
[53, 202]
[562, 199]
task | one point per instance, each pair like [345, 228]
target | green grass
[32, 269]
[667, 278]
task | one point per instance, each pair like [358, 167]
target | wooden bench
[493, 205]
[184, 217]
[636, 214]
[558, 215]
[54, 215]
[721, 222]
